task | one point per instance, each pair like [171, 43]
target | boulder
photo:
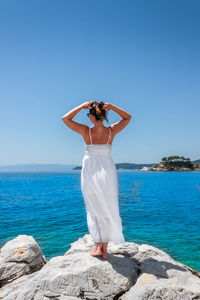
[19, 257]
[131, 271]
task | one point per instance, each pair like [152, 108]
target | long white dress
[99, 185]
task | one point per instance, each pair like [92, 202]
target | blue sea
[157, 208]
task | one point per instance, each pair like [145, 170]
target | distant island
[126, 166]
[176, 163]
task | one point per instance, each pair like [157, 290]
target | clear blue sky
[143, 56]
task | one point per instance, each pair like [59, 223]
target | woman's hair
[97, 109]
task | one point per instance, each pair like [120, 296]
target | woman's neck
[100, 124]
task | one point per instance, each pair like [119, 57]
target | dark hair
[97, 110]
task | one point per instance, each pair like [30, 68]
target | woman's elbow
[129, 116]
[65, 118]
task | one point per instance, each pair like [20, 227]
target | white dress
[99, 185]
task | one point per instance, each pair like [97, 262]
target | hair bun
[101, 104]
[98, 110]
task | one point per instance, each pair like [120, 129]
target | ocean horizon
[161, 209]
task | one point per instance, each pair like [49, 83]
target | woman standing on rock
[99, 182]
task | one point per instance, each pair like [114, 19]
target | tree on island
[176, 158]
[177, 161]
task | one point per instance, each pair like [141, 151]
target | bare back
[99, 135]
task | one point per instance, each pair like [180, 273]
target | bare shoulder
[85, 134]
[118, 126]
[75, 126]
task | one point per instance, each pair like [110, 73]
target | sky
[142, 56]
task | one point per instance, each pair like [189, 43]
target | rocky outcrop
[145, 169]
[18, 257]
[175, 166]
[131, 271]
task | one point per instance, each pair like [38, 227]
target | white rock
[145, 169]
[131, 271]
[18, 257]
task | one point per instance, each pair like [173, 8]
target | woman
[98, 175]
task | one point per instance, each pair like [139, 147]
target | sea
[158, 208]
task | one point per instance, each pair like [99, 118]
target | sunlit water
[157, 208]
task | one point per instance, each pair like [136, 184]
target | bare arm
[126, 117]
[67, 118]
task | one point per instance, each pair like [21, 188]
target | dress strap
[109, 134]
[90, 135]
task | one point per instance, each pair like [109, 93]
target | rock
[131, 271]
[145, 169]
[150, 287]
[10, 290]
[175, 166]
[162, 278]
[18, 257]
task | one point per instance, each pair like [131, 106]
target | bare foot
[96, 251]
[104, 255]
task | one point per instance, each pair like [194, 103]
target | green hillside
[125, 166]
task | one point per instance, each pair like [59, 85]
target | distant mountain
[126, 166]
[197, 161]
[132, 166]
[36, 168]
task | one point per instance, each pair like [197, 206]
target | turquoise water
[157, 208]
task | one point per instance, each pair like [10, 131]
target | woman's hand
[107, 106]
[86, 104]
